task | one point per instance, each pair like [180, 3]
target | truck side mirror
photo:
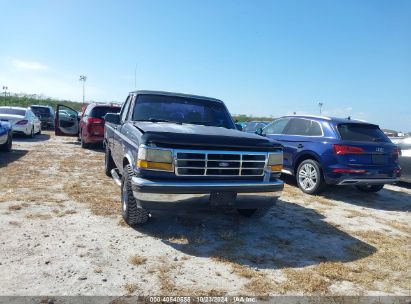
[239, 127]
[112, 118]
[259, 131]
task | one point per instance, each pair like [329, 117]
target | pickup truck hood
[189, 136]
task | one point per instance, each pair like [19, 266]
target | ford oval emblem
[223, 164]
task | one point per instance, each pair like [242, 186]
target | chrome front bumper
[368, 181]
[243, 195]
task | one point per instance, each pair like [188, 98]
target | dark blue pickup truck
[170, 150]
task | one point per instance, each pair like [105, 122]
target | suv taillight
[93, 120]
[341, 150]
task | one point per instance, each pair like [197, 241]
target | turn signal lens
[154, 165]
[276, 168]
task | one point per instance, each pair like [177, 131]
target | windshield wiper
[376, 138]
[160, 120]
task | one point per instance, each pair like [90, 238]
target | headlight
[275, 161]
[155, 159]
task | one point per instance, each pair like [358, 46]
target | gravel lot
[62, 234]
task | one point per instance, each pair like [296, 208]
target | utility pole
[135, 78]
[83, 78]
[320, 104]
[5, 93]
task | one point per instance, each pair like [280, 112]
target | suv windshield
[182, 110]
[12, 111]
[362, 132]
[100, 112]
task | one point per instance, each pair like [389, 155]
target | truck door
[66, 121]
[117, 141]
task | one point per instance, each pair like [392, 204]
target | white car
[22, 120]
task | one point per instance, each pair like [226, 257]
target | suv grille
[219, 163]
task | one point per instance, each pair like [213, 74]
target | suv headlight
[155, 159]
[275, 161]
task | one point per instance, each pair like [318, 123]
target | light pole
[320, 104]
[5, 93]
[83, 78]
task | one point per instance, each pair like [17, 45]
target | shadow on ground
[92, 147]
[386, 199]
[288, 236]
[37, 138]
[12, 156]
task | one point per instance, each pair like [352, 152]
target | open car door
[66, 121]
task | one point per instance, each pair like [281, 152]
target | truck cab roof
[164, 93]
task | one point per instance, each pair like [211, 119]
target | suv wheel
[309, 177]
[108, 162]
[131, 212]
[6, 147]
[369, 188]
[84, 145]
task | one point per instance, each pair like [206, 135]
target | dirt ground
[62, 234]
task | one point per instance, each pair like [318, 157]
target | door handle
[300, 146]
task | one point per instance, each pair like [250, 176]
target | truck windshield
[158, 108]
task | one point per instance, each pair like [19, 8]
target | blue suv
[321, 150]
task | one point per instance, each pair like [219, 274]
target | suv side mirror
[239, 127]
[259, 131]
[112, 118]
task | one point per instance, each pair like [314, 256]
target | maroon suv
[92, 122]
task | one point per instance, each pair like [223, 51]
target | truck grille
[219, 163]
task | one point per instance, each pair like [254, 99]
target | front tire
[369, 188]
[131, 212]
[108, 162]
[6, 147]
[309, 177]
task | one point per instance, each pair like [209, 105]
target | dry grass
[130, 288]
[305, 280]
[66, 212]
[14, 223]
[179, 240]
[18, 207]
[39, 216]
[137, 260]
[98, 270]
[354, 213]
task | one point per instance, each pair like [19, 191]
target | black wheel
[309, 177]
[108, 162]
[6, 147]
[39, 132]
[131, 212]
[31, 135]
[370, 188]
[84, 145]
